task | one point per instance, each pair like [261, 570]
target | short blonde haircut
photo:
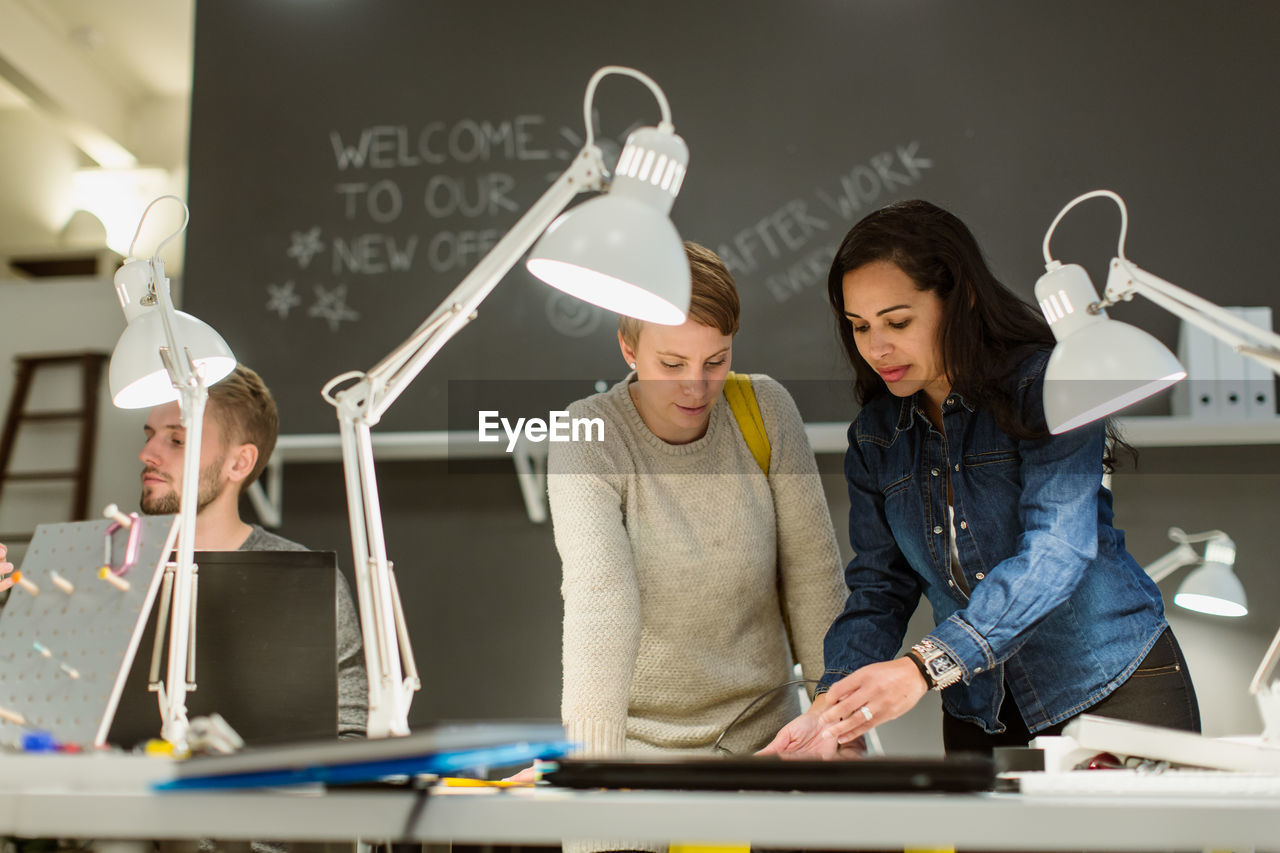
[712, 302]
[246, 413]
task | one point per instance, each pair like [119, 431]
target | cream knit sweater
[691, 581]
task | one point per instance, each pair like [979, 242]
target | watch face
[941, 664]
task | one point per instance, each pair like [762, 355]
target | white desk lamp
[1101, 365]
[619, 251]
[1212, 587]
[165, 355]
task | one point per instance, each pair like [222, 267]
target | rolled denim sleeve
[883, 589]
[1058, 516]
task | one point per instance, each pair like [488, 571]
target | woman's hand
[6, 570]
[805, 737]
[875, 694]
[527, 776]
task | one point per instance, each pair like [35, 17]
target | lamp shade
[1099, 365]
[1213, 588]
[620, 250]
[137, 375]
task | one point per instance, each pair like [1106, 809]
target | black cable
[419, 803]
[756, 701]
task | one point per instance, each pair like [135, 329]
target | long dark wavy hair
[986, 331]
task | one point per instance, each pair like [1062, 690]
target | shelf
[529, 459]
[1184, 431]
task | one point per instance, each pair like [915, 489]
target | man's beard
[168, 503]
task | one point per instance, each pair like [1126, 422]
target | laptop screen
[266, 653]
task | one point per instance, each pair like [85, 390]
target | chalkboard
[350, 162]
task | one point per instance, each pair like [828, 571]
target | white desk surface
[89, 797]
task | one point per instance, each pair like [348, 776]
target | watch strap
[915, 658]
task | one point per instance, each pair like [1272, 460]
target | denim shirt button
[964, 525]
[934, 471]
[951, 401]
[979, 576]
[977, 669]
[937, 529]
[957, 466]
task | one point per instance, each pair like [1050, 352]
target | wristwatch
[936, 664]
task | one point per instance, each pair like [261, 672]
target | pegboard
[62, 653]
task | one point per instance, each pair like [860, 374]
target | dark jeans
[1158, 693]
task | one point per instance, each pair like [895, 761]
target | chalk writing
[305, 245]
[372, 254]
[395, 173]
[797, 277]
[281, 299]
[798, 226]
[454, 250]
[464, 141]
[331, 306]
[789, 228]
[479, 195]
[862, 187]
[570, 316]
[383, 200]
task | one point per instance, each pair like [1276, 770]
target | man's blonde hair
[713, 300]
[246, 413]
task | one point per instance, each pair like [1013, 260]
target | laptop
[266, 652]
[958, 773]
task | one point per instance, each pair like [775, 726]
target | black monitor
[266, 652]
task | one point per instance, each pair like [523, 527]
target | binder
[1232, 367]
[1259, 381]
[1197, 395]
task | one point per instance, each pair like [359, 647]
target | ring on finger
[866, 713]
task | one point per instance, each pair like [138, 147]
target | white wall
[64, 315]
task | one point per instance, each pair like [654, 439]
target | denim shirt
[1045, 599]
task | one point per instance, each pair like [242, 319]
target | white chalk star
[281, 299]
[305, 245]
[331, 306]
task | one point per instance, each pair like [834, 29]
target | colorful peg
[61, 583]
[12, 717]
[113, 512]
[118, 582]
[69, 669]
[41, 648]
[25, 583]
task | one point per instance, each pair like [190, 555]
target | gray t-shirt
[353, 682]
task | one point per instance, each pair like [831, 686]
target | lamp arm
[174, 724]
[1270, 666]
[362, 404]
[192, 396]
[1162, 567]
[1265, 688]
[388, 379]
[1126, 278]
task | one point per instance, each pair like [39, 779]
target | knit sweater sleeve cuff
[597, 738]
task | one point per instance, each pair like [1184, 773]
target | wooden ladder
[87, 414]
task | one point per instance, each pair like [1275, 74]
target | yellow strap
[742, 400]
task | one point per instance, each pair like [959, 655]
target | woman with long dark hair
[958, 491]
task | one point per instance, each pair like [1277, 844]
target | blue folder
[440, 750]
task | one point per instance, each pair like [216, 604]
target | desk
[38, 801]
